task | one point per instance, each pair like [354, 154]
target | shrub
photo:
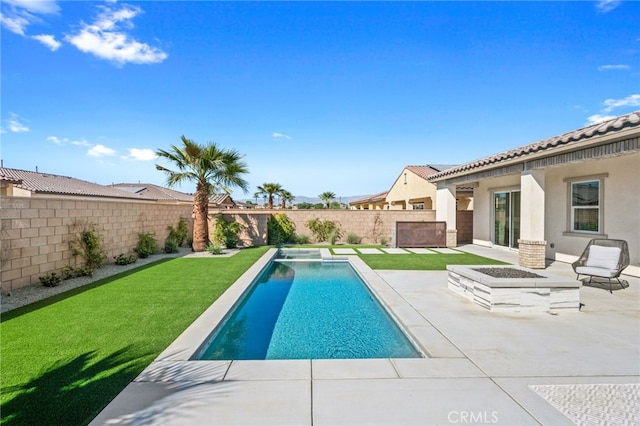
[50, 280]
[383, 241]
[171, 246]
[324, 230]
[147, 245]
[69, 272]
[87, 244]
[214, 248]
[226, 233]
[353, 238]
[280, 229]
[123, 259]
[302, 239]
[179, 235]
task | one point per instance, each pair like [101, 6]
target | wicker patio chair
[603, 258]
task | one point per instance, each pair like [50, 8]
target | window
[418, 206]
[586, 212]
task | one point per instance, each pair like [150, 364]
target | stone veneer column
[532, 254]
[452, 237]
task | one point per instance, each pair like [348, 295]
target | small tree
[268, 190]
[226, 232]
[324, 230]
[286, 196]
[327, 197]
[280, 229]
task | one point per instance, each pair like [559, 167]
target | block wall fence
[35, 232]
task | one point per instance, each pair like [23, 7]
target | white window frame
[571, 209]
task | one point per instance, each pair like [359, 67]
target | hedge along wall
[35, 232]
[370, 225]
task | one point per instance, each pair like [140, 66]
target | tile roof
[380, 196]
[155, 192]
[220, 199]
[614, 125]
[427, 170]
[47, 183]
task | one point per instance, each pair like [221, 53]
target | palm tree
[286, 196]
[269, 190]
[213, 169]
[326, 197]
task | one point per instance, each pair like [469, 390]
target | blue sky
[335, 96]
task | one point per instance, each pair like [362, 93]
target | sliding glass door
[506, 215]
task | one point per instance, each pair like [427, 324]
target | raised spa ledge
[539, 292]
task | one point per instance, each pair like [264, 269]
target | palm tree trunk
[201, 220]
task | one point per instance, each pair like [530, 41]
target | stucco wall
[412, 188]
[36, 231]
[621, 206]
[483, 205]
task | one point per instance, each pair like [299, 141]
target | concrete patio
[481, 368]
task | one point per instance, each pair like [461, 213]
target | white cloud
[613, 67]
[66, 141]
[105, 38]
[15, 125]
[605, 6]
[629, 101]
[100, 151]
[35, 6]
[15, 24]
[281, 135]
[598, 118]
[19, 14]
[144, 154]
[49, 41]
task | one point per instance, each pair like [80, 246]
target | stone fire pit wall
[545, 293]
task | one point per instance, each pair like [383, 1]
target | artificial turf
[424, 262]
[65, 358]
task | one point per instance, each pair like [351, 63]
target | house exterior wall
[621, 204]
[482, 202]
[36, 231]
[621, 207]
[411, 190]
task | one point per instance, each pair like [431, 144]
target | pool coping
[440, 356]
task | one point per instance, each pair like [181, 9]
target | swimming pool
[310, 309]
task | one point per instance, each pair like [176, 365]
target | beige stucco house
[412, 191]
[549, 198]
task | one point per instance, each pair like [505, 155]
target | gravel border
[35, 292]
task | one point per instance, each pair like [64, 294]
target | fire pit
[514, 289]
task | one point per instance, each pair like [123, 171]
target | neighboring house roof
[47, 183]
[221, 199]
[614, 125]
[155, 192]
[375, 198]
[427, 170]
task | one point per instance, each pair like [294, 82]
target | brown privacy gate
[421, 234]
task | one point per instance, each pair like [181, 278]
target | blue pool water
[308, 310]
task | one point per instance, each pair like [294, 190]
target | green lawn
[423, 262]
[65, 358]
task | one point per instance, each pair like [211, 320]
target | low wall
[36, 232]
